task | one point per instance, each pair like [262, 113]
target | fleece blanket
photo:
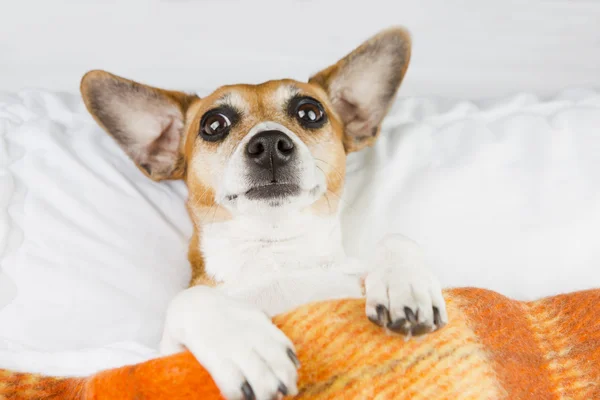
[493, 348]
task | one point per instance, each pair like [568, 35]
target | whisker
[205, 214]
[198, 196]
[214, 215]
[328, 202]
[340, 175]
[346, 203]
[339, 198]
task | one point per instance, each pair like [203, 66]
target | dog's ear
[363, 85]
[148, 123]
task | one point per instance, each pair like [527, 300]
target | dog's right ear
[148, 123]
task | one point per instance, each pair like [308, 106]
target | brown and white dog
[265, 168]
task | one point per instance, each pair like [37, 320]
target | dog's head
[246, 149]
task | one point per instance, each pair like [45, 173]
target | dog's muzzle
[270, 157]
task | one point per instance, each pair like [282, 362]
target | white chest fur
[249, 247]
[277, 263]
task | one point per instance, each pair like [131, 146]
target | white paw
[402, 295]
[247, 356]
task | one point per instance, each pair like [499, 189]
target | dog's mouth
[273, 190]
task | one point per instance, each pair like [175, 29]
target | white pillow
[502, 195]
[94, 249]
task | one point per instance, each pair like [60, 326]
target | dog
[265, 169]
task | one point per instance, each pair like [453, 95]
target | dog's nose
[270, 149]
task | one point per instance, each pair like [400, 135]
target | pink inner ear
[159, 157]
[360, 122]
[364, 83]
[169, 139]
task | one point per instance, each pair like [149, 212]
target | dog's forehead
[245, 99]
[254, 98]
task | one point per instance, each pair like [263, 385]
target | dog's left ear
[363, 85]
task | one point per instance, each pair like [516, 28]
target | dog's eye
[214, 126]
[308, 112]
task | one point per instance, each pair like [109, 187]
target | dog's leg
[247, 356]
[402, 294]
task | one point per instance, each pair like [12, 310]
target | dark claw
[404, 327]
[381, 311]
[399, 326]
[374, 320]
[411, 316]
[283, 389]
[409, 325]
[437, 318]
[293, 357]
[420, 329]
[248, 392]
[383, 315]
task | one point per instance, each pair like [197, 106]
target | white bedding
[503, 195]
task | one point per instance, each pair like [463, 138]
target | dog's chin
[272, 198]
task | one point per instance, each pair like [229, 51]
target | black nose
[270, 149]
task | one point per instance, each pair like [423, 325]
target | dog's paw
[402, 295]
[247, 356]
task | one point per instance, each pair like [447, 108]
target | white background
[462, 48]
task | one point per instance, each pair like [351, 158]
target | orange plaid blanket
[493, 348]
